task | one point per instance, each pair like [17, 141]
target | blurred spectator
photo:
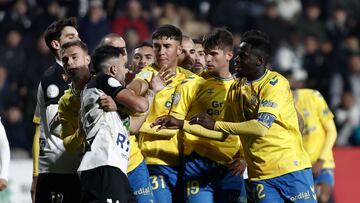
[4, 89]
[310, 24]
[17, 18]
[271, 23]
[133, 20]
[12, 55]
[336, 26]
[50, 13]
[94, 25]
[347, 118]
[289, 10]
[170, 14]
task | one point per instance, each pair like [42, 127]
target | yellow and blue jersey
[205, 94]
[159, 150]
[316, 113]
[280, 150]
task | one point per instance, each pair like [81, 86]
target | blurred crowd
[316, 40]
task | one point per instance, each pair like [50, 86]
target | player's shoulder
[54, 74]
[186, 72]
[146, 72]
[274, 79]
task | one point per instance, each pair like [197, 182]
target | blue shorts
[140, 184]
[297, 186]
[326, 176]
[209, 181]
[165, 183]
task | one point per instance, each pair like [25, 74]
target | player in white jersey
[104, 165]
[4, 158]
[57, 179]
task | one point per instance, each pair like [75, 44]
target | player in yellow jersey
[319, 136]
[162, 153]
[261, 111]
[199, 57]
[207, 176]
[187, 57]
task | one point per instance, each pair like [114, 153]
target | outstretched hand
[107, 103]
[167, 122]
[203, 119]
[161, 80]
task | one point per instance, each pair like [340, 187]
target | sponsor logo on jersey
[145, 74]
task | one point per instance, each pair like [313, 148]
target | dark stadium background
[316, 40]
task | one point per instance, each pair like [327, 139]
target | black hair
[197, 40]
[143, 44]
[168, 31]
[259, 41]
[102, 54]
[220, 38]
[53, 31]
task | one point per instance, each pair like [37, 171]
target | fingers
[159, 121]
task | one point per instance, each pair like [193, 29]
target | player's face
[117, 42]
[166, 52]
[68, 34]
[199, 58]
[245, 61]
[143, 56]
[188, 55]
[217, 59]
[76, 62]
[121, 70]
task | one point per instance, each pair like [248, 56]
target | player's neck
[257, 75]
[223, 73]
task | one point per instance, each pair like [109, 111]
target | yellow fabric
[200, 131]
[319, 134]
[36, 120]
[280, 150]
[205, 94]
[35, 150]
[242, 128]
[157, 149]
[69, 112]
[135, 154]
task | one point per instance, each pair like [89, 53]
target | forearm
[251, 127]
[330, 139]
[200, 131]
[145, 128]
[35, 150]
[137, 121]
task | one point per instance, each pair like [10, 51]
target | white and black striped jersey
[106, 136]
[52, 156]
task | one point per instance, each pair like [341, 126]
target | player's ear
[88, 59]
[260, 61]
[229, 55]
[179, 49]
[113, 69]
[55, 44]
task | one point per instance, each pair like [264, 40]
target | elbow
[141, 108]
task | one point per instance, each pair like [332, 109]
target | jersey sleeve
[322, 108]
[145, 74]
[52, 90]
[36, 118]
[109, 85]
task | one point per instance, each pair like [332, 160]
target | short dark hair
[77, 43]
[102, 54]
[110, 35]
[53, 31]
[198, 40]
[259, 41]
[220, 38]
[168, 31]
[143, 44]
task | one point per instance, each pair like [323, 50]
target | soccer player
[104, 164]
[319, 136]
[199, 57]
[143, 56]
[207, 176]
[4, 158]
[263, 114]
[137, 172]
[57, 178]
[187, 56]
[162, 152]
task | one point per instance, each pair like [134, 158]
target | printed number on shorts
[156, 181]
[260, 190]
[192, 187]
[123, 142]
[111, 201]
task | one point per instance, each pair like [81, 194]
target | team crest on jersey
[52, 91]
[113, 82]
[145, 74]
[176, 98]
[273, 81]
